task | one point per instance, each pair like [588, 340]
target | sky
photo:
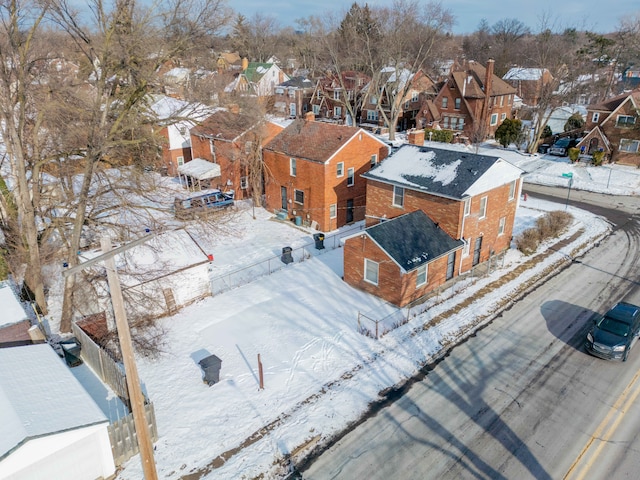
[594, 15]
[320, 374]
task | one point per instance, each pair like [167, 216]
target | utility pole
[133, 382]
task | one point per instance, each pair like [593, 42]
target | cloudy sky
[595, 15]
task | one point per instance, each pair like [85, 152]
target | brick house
[229, 138]
[314, 171]
[471, 200]
[293, 97]
[529, 83]
[333, 92]
[613, 128]
[465, 106]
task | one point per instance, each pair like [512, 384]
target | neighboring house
[631, 77]
[176, 81]
[419, 90]
[258, 79]
[333, 93]
[473, 102]
[15, 325]
[314, 171]
[471, 198]
[233, 140]
[228, 61]
[614, 128]
[49, 425]
[293, 97]
[174, 120]
[529, 83]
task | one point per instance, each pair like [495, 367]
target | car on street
[614, 333]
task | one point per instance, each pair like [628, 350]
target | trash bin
[286, 255]
[211, 366]
[298, 221]
[71, 350]
[319, 238]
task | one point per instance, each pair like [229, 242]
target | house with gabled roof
[613, 129]
[529, 83]
[471, 198]
[314, 172]
[257, 79]
[232, 139]
[293, 97]
[334, 92]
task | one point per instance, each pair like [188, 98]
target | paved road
[521, 399]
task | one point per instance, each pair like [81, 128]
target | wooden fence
[122, 434]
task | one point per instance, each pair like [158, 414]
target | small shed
[197, 172]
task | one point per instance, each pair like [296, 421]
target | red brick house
[314, 168]
[473, 102]
[471, 200]
[613, 128]
[229, 139]
[529, 83]
[333, 92]
[293, 97]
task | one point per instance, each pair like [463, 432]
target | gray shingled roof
[441, 172]
[412, 239]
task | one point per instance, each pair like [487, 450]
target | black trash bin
[319, 238]
[211, 366]
[71, 350]
[286, 255]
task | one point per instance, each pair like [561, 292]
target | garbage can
[286, 255]
[71, 350]
[298, 220]
[319, 238]
[211, 366]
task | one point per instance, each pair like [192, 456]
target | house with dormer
[470, 202]
[473, 102]
[334, 92]
[314, 172]
[256, 78]
[613, 127]
[293, 97]
[529, 83]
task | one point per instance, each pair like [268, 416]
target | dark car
[613, 334]
[562, 145]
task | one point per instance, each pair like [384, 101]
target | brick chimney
[245, 63]
[416, 137]
[488, 88]
[309, 117]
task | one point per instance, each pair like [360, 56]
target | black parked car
[562, 145]
[613, 334]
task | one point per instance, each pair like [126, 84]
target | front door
[476, 251]
[283, 195]
[349, 211]
[451, 262]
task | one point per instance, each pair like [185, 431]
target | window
[445, 122]
[406, 105]
[316, 109]
[467, 207]
[501, 100]
[457, 103]
[627, 145]
[243, 183]
[372, 115]
[595, 117]
[337, 111]
[340, 169]
[292, 93]
[350, 177]
[371, 271]
[180, 160]
[465, 249]
[279, 91]
[454, 123]
[512, 190]
[501, 225]
[421, 277]
[374, 160]
[415, 96]
[398, 196]
[333, 211]
[292, 167]
[298, 196]
[494, 119]
[445, 101]
[373, 100]
[336, 94]
[503, 116]
[625, 121]
[483, 207]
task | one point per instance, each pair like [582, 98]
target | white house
[49, 425]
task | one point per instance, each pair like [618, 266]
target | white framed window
[298, 197]
[292, 167]
[512, 190]
[501, 225]
[445, 102]
[373, 100]
[627, 145]
[244, 183]
[494, 119]
[340, 169]
[292, 93]
[351, 177]
[336, 94]
[372, 115]
[483, 207]
[501, 100]
[625, 121]
[337, 111]
[465, 248]
[371, 270]
[180, 160]
[333, 210]
[415, 96]
[398, 196]
[467, 207]
[457, 103]
[374, 159]
[421, 275]
[595, 117]
[316, 109]
[445, 122]
[503, 116]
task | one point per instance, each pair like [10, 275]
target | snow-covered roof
[443, 172]
[12, 311]
[521, 73]
[200, 168]
[187, 115]
[39, 396]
